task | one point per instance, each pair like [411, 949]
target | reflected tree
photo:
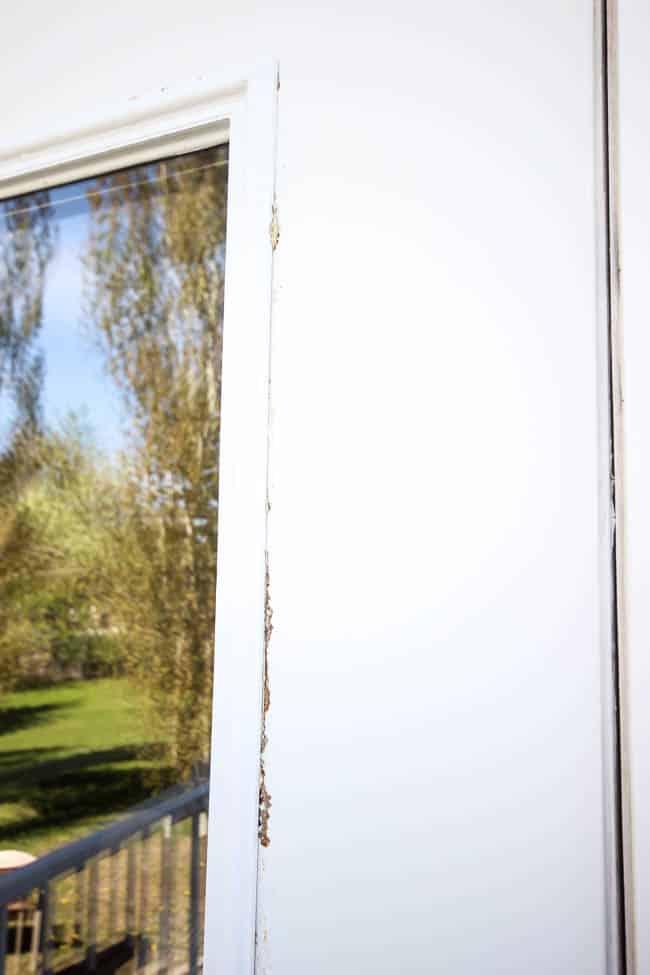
[153, 301]
[26, 248]
[27, 239]
[52, 530]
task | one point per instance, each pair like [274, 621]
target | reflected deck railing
[123, 903]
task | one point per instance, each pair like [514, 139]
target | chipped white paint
[240, 107]
[274, 228]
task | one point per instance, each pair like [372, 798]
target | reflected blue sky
[75, 380]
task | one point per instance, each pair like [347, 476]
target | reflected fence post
[138, 896]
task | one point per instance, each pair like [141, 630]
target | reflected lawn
[72, 758]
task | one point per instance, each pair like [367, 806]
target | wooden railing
[131, 893]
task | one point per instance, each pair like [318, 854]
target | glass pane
[111, 304]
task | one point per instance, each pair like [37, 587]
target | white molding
[170, 120]
[239, 106]
[94, 154]
[239, 659]
[609, 540]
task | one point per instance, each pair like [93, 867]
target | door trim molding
[238, 106]
[618, 878]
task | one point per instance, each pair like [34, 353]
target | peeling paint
[268, 630]
[264, 813]
[274, 228]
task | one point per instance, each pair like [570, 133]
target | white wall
[435, 730]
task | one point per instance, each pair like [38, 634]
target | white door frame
[630, 136]
[240, 107]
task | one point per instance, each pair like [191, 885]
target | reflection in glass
[111, 301]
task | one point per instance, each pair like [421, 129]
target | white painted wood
[239, 641]
[608, 396]
[634, 519]
[436, 756]
[187, 117]
[239, 108]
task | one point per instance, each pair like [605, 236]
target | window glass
[111, 305]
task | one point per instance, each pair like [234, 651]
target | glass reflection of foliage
[26, 247]
[27, 237]
[56, 506]
[154, 276]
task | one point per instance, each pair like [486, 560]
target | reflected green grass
[72, 758]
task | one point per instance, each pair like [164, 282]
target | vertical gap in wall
[607, 99]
